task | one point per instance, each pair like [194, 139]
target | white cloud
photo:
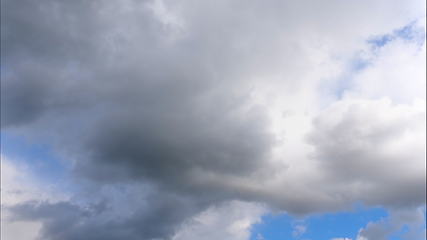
[18, 185]
[362, 144]
[298, 230]
[228, 221]
[396, 70]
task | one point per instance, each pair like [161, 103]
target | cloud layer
[165, 109]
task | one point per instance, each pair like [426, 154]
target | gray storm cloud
[183, 97]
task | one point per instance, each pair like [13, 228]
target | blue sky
[38, 157]
[345, 224]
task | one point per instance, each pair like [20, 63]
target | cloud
[411, 219]
[299, 230]
[19, 185]
[167, 109]
[364, 143]
[93, 222]
[401, 58]
[232, 220]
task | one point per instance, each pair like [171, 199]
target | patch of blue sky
[358, 64]
[273, 227]
[318, 227]
[39, 158]
[410, 32]
[344, 81]
[380, 41]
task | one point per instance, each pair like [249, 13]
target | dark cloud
[159, 219]
[128, 107]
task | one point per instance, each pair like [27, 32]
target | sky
[227, 119]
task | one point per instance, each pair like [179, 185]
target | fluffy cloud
[229, 221]
[411, 219]
[18, 186]
[395, 70]
[363, 144]
[299, 229]
[165, 109]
